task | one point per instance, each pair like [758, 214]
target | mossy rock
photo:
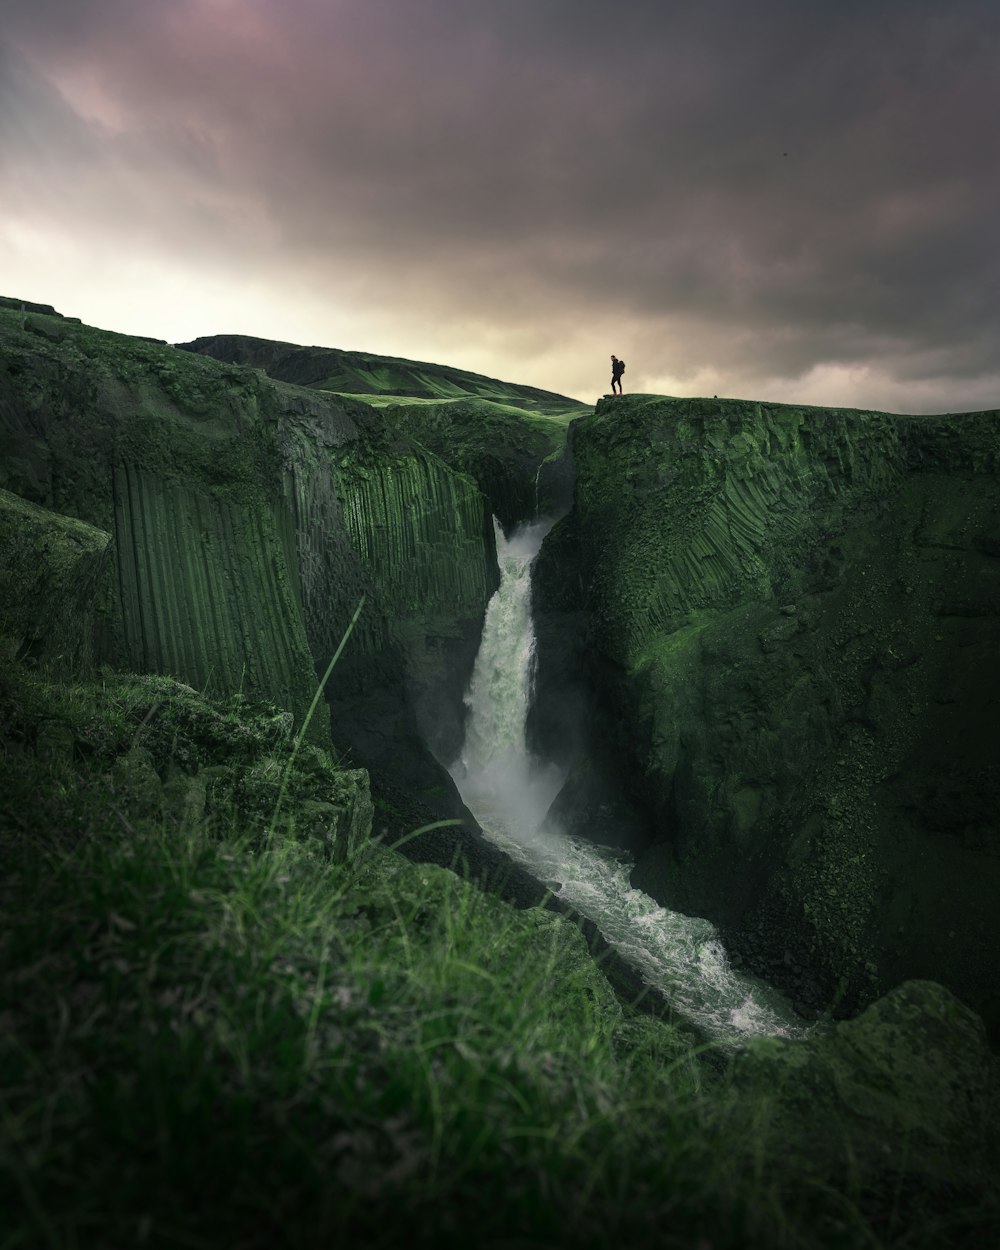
[780, 623]
[909, 1088]
[161, 752]
[55, 574]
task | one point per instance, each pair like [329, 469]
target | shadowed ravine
[509, 792]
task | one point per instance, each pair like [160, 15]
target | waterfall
[495, 773]
[509, 792]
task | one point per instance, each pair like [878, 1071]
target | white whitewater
[509, 793]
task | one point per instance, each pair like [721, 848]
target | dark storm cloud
[769, 186]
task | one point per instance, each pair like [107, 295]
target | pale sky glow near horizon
[788, 199]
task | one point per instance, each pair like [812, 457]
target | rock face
[507, 437]
[908, 1089]
[513, 454]
[781, 625]
[55, 580]
[247, 520]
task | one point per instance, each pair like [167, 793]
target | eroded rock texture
[506, 436]
[55, 582]
[908, 1089]
[247, 519]
[787, 624]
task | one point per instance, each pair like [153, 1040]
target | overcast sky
[775, 199]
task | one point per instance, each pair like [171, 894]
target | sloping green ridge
[497, 432]
[364, 373]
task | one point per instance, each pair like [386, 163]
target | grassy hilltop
[379, 379]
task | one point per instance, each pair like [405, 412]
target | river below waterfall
[509, 792]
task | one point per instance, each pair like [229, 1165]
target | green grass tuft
[214, 1034]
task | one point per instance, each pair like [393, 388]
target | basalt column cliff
[225, 528]
[782, 629]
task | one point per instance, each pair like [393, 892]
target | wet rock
[591, 806]
[341, 822]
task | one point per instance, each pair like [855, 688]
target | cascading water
[499, 781]
[509, 792]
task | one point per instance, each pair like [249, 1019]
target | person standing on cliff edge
[617, 369]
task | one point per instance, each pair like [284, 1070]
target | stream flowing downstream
[509, 793]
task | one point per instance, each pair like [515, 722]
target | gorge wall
[767, 636]
[507, 436]
[221, 527]
[781, 626]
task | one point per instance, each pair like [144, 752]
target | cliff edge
[787, 620]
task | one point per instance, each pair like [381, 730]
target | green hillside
[378, 379]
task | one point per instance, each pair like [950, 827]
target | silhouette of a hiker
[617, 369]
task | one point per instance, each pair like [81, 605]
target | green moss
[881, 1077]
[501, 446]
[218, 1031]
[377, 378]
[721, 501]
[784, 605]
[54, 581]
[160, 746]
[234, 565]
[668, 649]
[418, 529]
